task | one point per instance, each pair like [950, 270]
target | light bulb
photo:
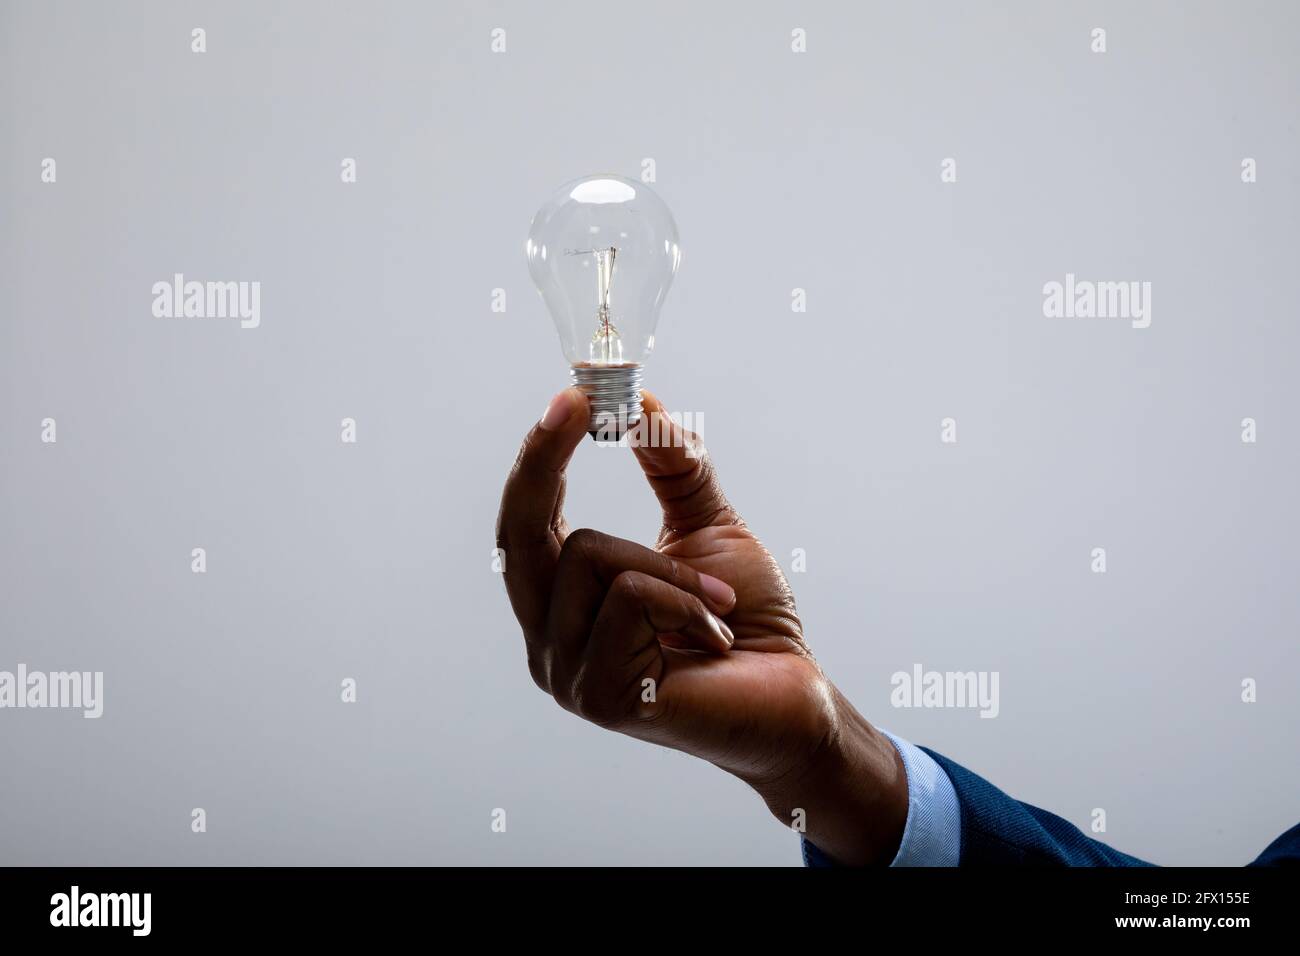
[602, 252]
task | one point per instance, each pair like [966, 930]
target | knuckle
[694, 608]
[590, 700]
[583, 543]
[584, 538]
[694, 497]
[673, 572]
[539, 671]
[502, 525]
[705, 480]
[626, 587]
[561, 689]
[692, 613]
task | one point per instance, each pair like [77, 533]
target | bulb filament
[606, 347]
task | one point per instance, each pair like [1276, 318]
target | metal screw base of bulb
[614, 392]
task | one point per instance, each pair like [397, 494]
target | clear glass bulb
[603, 252]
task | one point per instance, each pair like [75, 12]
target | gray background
[819, 171]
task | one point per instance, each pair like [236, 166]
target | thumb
[679, 470]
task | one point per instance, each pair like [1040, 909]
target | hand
[694, 644]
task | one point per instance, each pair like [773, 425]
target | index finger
[530, 524]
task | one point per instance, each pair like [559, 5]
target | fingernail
[557, 413]
[723, 630]
[719, 591]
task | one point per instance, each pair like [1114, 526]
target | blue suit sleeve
[955, 817]
[999, 831]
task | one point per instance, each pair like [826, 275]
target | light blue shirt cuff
[932, 833]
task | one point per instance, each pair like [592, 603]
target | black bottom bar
[558, 906]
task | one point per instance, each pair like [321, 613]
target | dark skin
[705, 615]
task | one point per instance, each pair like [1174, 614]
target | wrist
[851, 788]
